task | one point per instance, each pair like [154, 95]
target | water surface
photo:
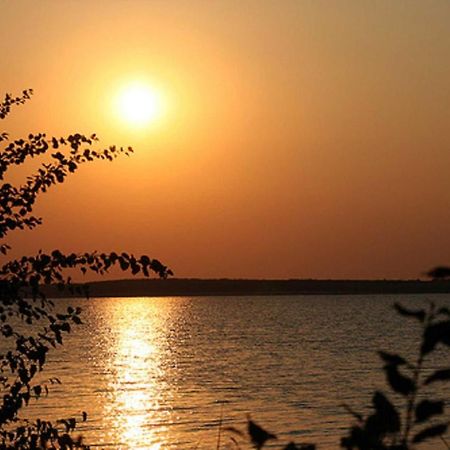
[156, 373]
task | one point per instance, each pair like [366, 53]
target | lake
[157, 373]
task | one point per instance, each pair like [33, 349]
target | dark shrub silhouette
[440, 272]
[21, 283]
[389, 427]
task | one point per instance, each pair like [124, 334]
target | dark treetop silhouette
[21, 281]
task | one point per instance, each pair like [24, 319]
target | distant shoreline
[193, 287]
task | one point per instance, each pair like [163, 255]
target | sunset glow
[216, 216]
[139, 104]
[296, 139]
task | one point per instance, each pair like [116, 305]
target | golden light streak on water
[134, 387]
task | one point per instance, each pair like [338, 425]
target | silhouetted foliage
[258, 435]
[22, 299]
[389, 427]
[440, 272]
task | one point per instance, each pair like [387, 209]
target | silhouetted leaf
[37, 391]
[417, 314]
[439, 375]
[428, 408]
[355, 440]
[258, 435]
[72, 423]
[293, 446]
[435, 333]
[391, 358]
[430, 432]
[399, 382]
[387, 415]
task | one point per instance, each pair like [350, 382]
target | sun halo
[139, 104]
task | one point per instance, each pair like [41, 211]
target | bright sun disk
[139, 104]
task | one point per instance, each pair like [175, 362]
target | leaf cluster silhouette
[22, 297]
[389, 427]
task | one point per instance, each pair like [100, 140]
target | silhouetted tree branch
[22, 297]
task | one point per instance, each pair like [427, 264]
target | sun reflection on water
[135, 386]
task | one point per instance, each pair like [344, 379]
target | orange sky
[299, 139]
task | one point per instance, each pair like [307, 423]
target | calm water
[155, 373]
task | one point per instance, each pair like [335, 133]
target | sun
[139, 104]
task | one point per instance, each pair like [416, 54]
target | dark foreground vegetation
[420, 417]
[21, 281]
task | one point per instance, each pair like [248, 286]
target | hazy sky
[298, 138]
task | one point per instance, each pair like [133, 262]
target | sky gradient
[300, 139]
